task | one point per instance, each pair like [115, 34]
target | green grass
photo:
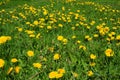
[15, 14]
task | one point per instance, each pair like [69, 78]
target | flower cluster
[57, 74]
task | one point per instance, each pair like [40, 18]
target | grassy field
[59, 40]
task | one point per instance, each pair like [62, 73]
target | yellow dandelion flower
[73, 28]
[82, 47]
[78, 41]
[76, 24]
[89, 39]
[29, 31]
[9, 70]
[90, 73]
[38, 35]
[92, 56]
[14, 60]
[2, 62]
[60, 25]
[45, 12]
[65, 41]
[49, 27]
[113, 33]
[53, 74]
[96, 35]
[20, 29]
[37, 65]
[92, 64]
[60, 38]
[92, 23]
[17, 69]
[61, 71]
[3, 39]
[31, 35]
[78, 10]
[27, 23]
[30, 53]
[73, 37]
[108, 39]
[109, 52]
[118, 37]
[59, 75]
[63, 8]
[35, 22]
[112, 38]
[106, 29]
[87, 36]
[56, 56]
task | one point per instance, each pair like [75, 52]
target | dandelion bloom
[20, 29]
[17, 69]
[59, 75]
[31, 35]
[3, 39]
[60, 25]
[38, 36]
[78, 41]
[82, 47]
[61, 71]
[37, 65]
[45, 12]
[49, 27]
[29, 31]
[53, 74]
[109, 52]
[96, 35]
[56, 74]
[56, 56]
[92, 64]
[90, 73]
[92, 56]
[9, 70]
[13, 60]
[60, 38]
[30, 53]
[87, 36]
[2, 62]
[118, 37]
[35, 22]
[65, 41]
[73, 37]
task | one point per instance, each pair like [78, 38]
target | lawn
[59, 40]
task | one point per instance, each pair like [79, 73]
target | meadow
[59, 40]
